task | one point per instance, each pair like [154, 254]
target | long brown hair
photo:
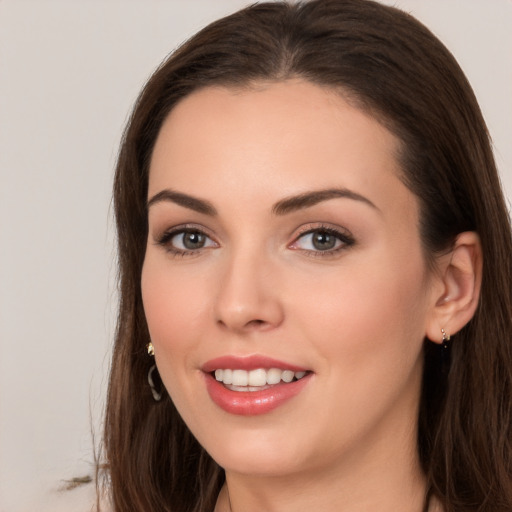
[393, 68]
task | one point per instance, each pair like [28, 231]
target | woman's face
[283, 245]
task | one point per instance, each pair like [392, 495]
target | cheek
[367, 329]
[174, 306]
[370, 318]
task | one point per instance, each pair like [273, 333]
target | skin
[356, 317]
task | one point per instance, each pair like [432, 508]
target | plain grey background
[70, 71]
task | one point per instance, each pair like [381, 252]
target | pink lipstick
[252, 385]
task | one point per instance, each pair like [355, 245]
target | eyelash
[165, 240]
[344, 237]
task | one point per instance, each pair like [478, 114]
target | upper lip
[248, 363]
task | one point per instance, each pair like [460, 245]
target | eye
[319, 241]
[322, 240]
[184, 241]
[189, 240]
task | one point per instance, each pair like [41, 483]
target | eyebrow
[190, 202]
[282, 207]
[309, 199]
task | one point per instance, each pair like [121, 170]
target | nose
[248, 298]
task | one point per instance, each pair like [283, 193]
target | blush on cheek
[173, 311]
[366, 318]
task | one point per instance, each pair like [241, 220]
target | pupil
[193, 240]
[323, 241]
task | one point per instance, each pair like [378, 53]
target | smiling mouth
[255, 380]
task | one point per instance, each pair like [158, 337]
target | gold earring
[153, 376]
[446, 338]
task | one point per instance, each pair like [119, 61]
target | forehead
[273, 140]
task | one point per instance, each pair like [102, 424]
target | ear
[457, 288]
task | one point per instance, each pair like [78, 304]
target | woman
[315, 249]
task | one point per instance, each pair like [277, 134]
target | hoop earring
[157, 394]
[446, 339]
[156, 390]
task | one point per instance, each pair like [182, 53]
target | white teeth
[228, 377]
[287, 376]
[255, 378]
[240, 378]
[274, 376]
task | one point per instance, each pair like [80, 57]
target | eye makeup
[186, 240]
[321, 240]
[313, 239]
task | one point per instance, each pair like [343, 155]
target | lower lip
[251, 403]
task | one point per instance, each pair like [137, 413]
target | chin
[258, 452]
[259, 463]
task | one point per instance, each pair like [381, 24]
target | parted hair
[393, 68]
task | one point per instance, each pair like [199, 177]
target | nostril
[256, 323]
